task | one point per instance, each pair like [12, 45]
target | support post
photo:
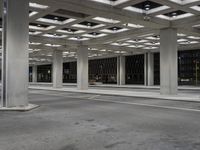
[14, 90]
[34, 73]
[57, 69]
[82, 67]
[168, 61]
[121, 70]
[150, 69]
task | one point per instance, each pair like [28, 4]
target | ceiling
[109, 27]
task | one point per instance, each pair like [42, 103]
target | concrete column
[121, 70]
[82, 68]
[168, 61]
[34, 73]
[150, 69]
[57, 68]
[15, 54]
[145, 69]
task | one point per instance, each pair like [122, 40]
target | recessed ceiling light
[106, 20]
[54, 35]
[183, 2]
[197, 8]
[133, 25]
[194, 37]
[32, 13]
[111, 2]
[78, 38]
[53, 45]
[36, 5]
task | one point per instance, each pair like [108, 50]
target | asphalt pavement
[75, 121]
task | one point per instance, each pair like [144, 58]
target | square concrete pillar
[15, 54]
[145, 69]
[121, 70]
[168, 61]
[82, 67]
[57, 69]
[34, 73]
[149, 69]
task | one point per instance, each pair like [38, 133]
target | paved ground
[72, 121]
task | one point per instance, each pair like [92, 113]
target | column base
[26, 108]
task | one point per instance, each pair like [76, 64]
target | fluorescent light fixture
[94, 36]
[152, 44]
[54, 36]
[79, 39]
[194, 37]
[114, 31]
[34, 33]
[92, 49]
[68, 32]
[151, 47]
[157, 9]
[130, 8]
[33, 13]
[175, 17]
[120, 44]
[34, 43]
[106, 20]
[34, 50]
[181, 34]
[52, 45]
[137, 41]
[182, 40]
[56, 21]
[113, 3]
[134, 9]
[189, 42]
[198, 25]
[152, 38]
[36, 5]
[136, 46]
[66, 52]
[102, 50]
[41, 28]
[72, 55]
[88, 27]
[120, 52]
[133, 25]
[197, 8]
[183, 2]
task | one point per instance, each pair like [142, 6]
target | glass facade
[135, 69]
[30, 74]
[103, 70]
[188, 68]
[44, 73]
[69, 72]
